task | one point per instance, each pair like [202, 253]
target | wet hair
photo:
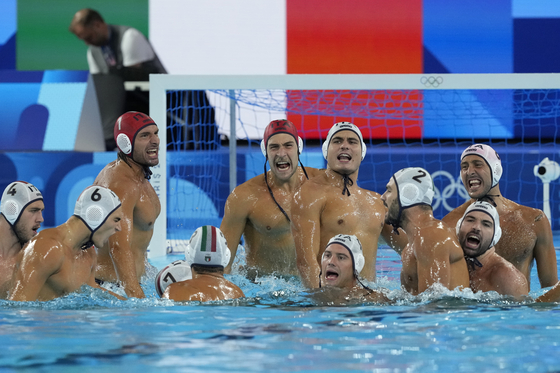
[199, 268]
[123, 157]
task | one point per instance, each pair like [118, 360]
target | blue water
[279, 328]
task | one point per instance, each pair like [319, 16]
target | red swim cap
[127, 127]
[280, 126]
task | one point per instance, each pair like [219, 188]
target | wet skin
[433, 254]
[526, 232]
[320, 210]
[54, 263]
[250, 211]
[123, 258]
[13, 240]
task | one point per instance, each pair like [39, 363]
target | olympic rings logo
[449, 190]
[431, 81]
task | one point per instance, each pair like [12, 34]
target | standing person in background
[260, 208]
[433, 254]
[119, 51]
[124, 257]
[527, 236]
[119, 54]
[22, 214]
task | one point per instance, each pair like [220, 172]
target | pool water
[279, 328]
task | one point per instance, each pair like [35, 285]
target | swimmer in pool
[123, 259]
[527, 236]
[479, 231]
[21, 211]
[207, 254]
[58, 261]
[433, 254]
[341, 263]
[332, 203]
[260, 208]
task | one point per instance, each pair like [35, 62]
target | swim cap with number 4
[95, 205]
[16, 197]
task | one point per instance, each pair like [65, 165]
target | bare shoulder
[252, 188]
[434, 235]
[120, 178]
[454, 215]
[516, 211]
[314, 172]
[46, 245]
[316, 187]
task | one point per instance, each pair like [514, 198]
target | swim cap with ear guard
[491, 158]
[280, 126]
[16, 197]
[208, 247]
[415, 187]
[177, 271]
[487, 209]
[352, 243]
[342, 126]
[95, 205]
[127, 127]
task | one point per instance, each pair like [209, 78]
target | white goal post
[161, 83]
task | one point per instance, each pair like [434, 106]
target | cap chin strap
[348, 182]
[272, 194]
[472, 262]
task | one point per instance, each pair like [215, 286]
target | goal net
[406, 120]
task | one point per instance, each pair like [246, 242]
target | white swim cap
[342, 126]
[352, 243]
[208, 247]
[415, 187]
[177, 271]
[94, 206]
[491, 211]
[16, 197]
[490, 156]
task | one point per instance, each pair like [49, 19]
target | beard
[22, 234]
[393, 214]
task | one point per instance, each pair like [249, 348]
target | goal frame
[159, 84]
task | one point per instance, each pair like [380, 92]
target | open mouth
[331, 275]
[152, 152]
[344, 157]
[475, 183]
[282, 165]
[473, 240]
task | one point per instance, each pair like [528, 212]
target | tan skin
[10, 245]
[203, 287]
[53, 263]
[250, 211]
[553, 295]
[123, 258]
[433, 254]
[496, 273]
[337, 277]
[320, 211]
[527, 236]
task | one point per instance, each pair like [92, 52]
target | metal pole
[232, 142]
